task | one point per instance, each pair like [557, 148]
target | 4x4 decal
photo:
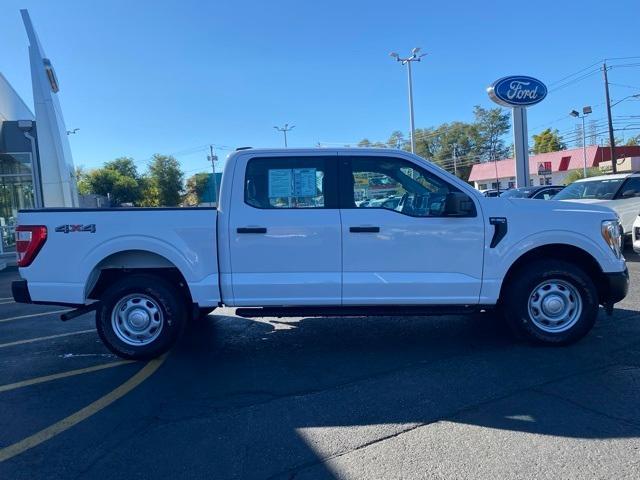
[76, 228]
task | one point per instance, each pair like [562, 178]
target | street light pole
[585, 111]
[415, 57]
[284, 130]
[584, 150]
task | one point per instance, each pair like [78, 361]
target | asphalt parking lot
[439, 397]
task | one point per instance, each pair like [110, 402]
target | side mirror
[458, 204]
[628, 193]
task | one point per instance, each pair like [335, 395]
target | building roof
[560, 161]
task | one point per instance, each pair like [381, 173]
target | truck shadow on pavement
[276, 397]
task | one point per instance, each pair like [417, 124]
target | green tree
[364, 143]
[164, 182]
[633, 141]
[195, 188]
[81, 180]
[125, 166]
[574, 175]
[490, 127]
[111, 183]
[397, 140]
[548, 141]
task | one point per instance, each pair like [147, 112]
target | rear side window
[291, 182]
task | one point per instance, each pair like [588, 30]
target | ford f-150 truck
[289, 239]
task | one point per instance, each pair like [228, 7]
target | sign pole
[521, 144]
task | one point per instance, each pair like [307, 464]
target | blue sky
[140, 77]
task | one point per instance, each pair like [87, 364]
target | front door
[285, 239]
[404, 240]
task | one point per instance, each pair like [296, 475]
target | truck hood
[539, 209]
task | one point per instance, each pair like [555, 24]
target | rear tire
[550, 302]
[141, 316]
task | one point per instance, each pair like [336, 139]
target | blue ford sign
[517, 91]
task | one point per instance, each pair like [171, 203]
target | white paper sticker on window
[304, 182]
[280, 183]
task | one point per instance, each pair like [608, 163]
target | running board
[360, 311]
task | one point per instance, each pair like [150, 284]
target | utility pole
[213, 158]
[284, 130]
[415, 57]
[612, 140]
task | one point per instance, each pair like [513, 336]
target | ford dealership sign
[517, 91]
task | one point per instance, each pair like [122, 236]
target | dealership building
[36, 167]
[547, 168]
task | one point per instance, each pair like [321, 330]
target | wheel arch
[559, 251]
[125, 262]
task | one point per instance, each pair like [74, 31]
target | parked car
[270, 251]
[620, 192]
[388, 202]
[542, 192]
[491, 192]
[635, 235]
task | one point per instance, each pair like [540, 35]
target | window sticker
[280, 183]
[304, 182]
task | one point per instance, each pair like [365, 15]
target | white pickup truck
[288, 239]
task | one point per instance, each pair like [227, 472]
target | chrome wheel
[137, 319]
[555, 306]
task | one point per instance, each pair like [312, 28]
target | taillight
[29, 241]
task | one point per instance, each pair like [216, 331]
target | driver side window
[398, 185]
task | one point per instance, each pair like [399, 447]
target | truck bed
[81, 241]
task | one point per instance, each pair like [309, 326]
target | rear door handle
[251, 230]
[364, 229]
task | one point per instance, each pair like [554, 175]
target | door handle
[251, 230]
[364, 229]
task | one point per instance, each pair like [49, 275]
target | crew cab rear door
[284, 231]
[413, 253]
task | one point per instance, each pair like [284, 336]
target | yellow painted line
[57, 376]
[40, 339]
[32, 315]
[75, 418]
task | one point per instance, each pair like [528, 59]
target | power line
[575, 73]
[626, 86]
[621, 58]
[575, 80]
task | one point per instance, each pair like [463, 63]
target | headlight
[611, 232]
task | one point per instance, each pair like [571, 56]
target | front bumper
[20, 291]
[617, 285]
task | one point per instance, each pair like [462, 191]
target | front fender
[499, 260]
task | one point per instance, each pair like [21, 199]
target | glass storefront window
[16, 192]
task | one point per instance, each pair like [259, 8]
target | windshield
[517, 193]
[603, 189]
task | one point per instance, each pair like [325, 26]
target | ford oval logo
[517, 91]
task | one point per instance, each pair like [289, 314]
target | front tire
[550, 302]
[141, 316]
